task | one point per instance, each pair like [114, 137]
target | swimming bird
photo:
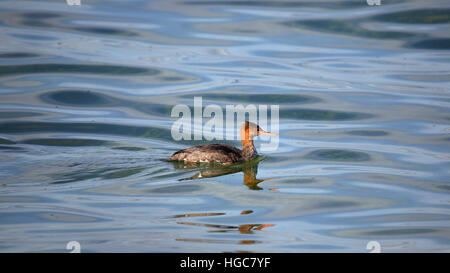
[223, 153]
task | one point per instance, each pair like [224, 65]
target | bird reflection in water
[243, 229]
[209, 170]
[221, 228]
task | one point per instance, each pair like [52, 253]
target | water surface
[86, 94]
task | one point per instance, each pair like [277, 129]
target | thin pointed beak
[261, 132]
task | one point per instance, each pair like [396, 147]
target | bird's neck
[248, 149]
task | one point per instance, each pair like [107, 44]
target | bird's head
[250, 130]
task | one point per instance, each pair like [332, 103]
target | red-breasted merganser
[223, 153]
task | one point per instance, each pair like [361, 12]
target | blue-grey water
[86, 94]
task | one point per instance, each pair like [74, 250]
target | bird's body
[220, 153]
[223, 153]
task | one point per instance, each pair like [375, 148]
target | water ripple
[86, 95]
